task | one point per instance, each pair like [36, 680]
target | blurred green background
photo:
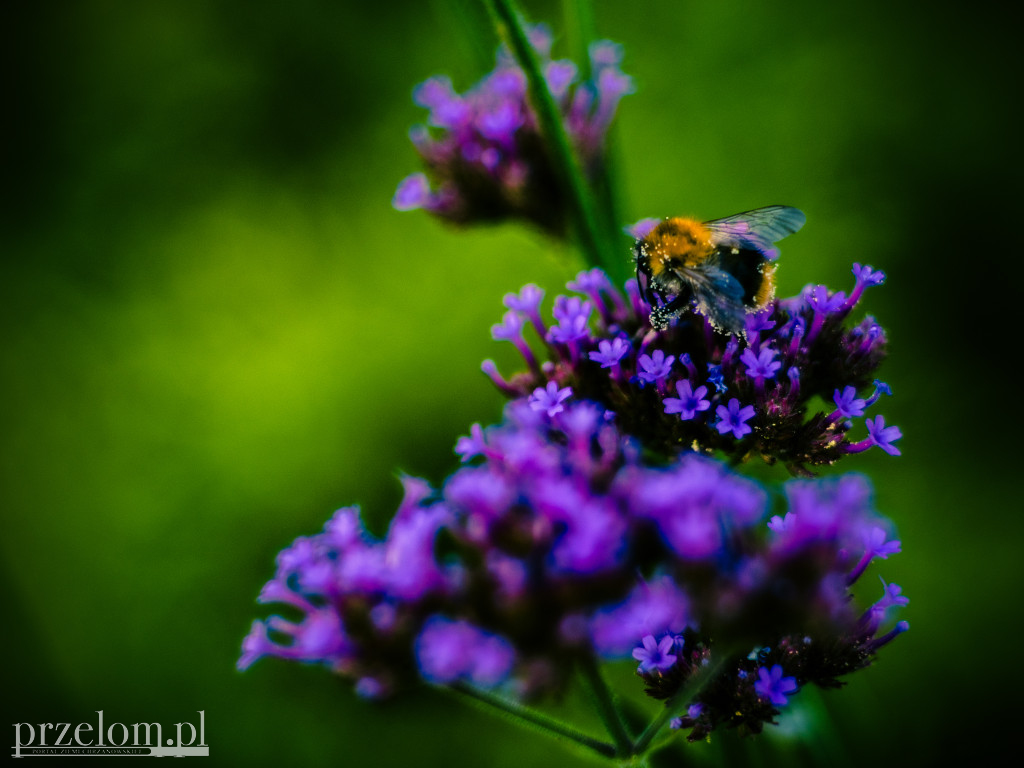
[216, 330]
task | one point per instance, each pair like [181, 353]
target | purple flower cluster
[690, 387]
[484, 156]
[812, 635]
[557, 541]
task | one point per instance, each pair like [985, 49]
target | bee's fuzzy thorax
[679, 241]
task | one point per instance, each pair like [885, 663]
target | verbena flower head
[484, 156]
[594, 522]
[690, 387]
[557, 541]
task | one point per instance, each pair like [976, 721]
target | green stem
[610, 715]
[525, 715]
[596, 249]
[579, 22]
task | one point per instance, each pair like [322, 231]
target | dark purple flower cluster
[557, 543]
[690, 387]
[484, 155]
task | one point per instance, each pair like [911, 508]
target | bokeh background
[216, 330]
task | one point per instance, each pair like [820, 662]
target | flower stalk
[532, 718]
[597, 250]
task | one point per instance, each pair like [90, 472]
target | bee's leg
[660, 316]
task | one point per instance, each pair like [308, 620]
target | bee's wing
[719, 297]
[759, 229]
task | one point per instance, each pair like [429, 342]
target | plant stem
[525, 715]
[579, 23]
[610, 715]
[606, 192]
[597, 250]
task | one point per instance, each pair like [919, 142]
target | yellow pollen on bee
[677, 242]
[767, 290]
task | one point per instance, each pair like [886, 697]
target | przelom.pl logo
[116, 739]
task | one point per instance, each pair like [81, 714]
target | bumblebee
[722, 267]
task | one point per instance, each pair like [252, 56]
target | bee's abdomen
[751, 271]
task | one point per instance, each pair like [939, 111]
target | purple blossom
[823, 301]
[867, 275]
[655, 655]
[655, 367]
[413, 192]
[761, 364]
[483, 149]
[773, 686]
[509, 329]
[527, 300]
[689, 402]
[472, 446]
[572, 315]
[552, 523]
[657, 607]
[610, 352]
[642, 228]
[591, 282]
[847, 402]
[759, 322]
[449, 650]
[549, 399]
[883, 436]
[734, 417]
[878, 544]
[803, 336]
[692, 502]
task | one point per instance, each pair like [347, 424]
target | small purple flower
[823, 302]
[642, 228]
[734, 419]
[573, 315]
[758, 322]
[847, 402]
[655, 367]
[590, 281]
[610, 352]
[449, 650]
[868, 276]
[761, 365]
[413, 192]
[527, 300]
[892, 597]
[878, 544]
[559, 76]
[689, 402]
[655, 655]
[469, 447]
[549, 399]
[771, 685]
[883, 436]
[509, 329]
